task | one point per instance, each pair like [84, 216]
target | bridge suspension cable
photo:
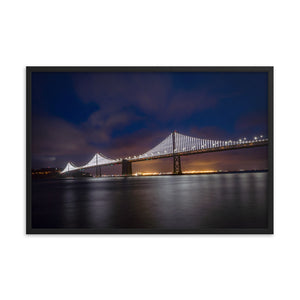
[185, 143]
[97, 160]
[174, 144]
[69, 167]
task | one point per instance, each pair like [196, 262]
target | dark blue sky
[120, 114]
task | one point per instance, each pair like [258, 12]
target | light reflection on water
[164, 202]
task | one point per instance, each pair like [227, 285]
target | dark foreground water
[161, 202]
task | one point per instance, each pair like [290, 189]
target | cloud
[54, 137]
[114, 91]
[101, 124]
[252, 122]
[150, 93]
[45, 158]
[209, 132]
[186, 103]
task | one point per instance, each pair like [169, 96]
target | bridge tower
[98, 171]
[126, 167]
[98, 168]
[176, 158]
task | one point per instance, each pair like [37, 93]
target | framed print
[150, 150]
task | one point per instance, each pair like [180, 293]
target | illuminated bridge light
[182, 142]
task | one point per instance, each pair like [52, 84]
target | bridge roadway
[127, 163]
[202, 151]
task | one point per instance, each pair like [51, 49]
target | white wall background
[121, 33]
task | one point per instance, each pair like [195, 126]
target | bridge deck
[200, 151]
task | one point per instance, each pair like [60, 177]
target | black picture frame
[31, 69]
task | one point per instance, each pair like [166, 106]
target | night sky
[75, 115]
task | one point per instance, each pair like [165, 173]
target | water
[158, 202]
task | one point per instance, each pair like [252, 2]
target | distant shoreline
[164, 174]
[203, 173]
[227, 172]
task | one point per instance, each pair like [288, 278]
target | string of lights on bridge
[183, 145]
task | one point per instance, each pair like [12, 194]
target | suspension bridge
[174, 145]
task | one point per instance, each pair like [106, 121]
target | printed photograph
[149, 150]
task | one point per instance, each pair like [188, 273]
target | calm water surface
[164, 202]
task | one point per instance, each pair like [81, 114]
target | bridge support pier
[98, 171]
[126, 167]
[176, 165]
